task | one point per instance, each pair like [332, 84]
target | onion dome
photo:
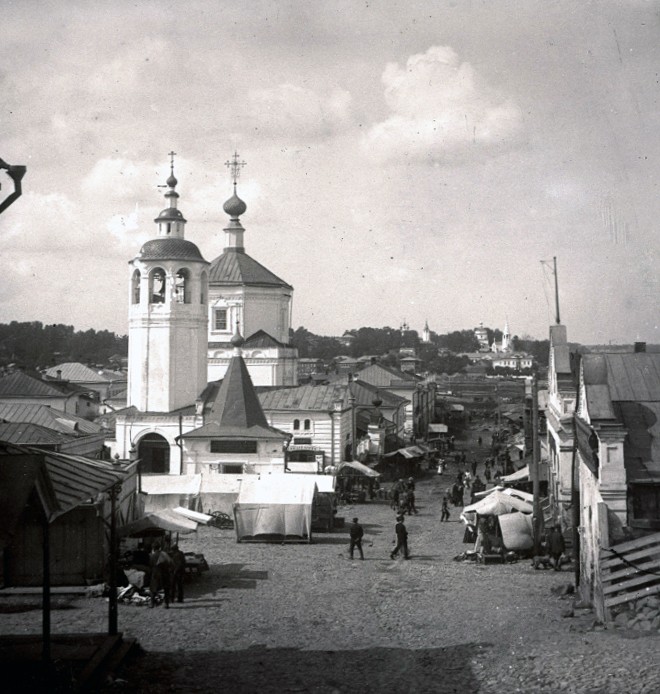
[237, 339]
[234, 207]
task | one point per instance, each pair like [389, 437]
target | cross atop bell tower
[235, 166]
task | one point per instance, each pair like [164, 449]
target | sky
[406, 161]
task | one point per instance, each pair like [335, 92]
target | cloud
[439, 109]
[293, 111]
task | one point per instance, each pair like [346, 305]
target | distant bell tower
[426, 334]
[168, 315]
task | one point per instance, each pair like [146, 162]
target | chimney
[640, 347]
[59, 374]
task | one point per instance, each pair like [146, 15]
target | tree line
[33, 345]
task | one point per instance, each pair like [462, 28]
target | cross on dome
[235, 166]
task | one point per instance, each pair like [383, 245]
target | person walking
[401, 539]
[178, 573]
[356, 532]
[444, 516]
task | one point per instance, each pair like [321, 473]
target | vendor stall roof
[497, 503]
[517, 476]
[156, 522]
[438, 429]
[360, 467]
[171, 484]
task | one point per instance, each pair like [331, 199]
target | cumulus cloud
[439, 109]
[299, 112]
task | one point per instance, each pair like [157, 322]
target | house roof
[48, 417]
[235, 410]
[366, 393]
[29, 434]
[80, 373]
[385, 376]
[235, 266]
[304, 398]
[20, 384]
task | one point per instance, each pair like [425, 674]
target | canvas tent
[219, 492]
[156, 523]
[169, 491]
[497, 503]
[275, 508]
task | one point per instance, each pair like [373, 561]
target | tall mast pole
[554, 260]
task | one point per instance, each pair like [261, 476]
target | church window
[157, 286]
[308, 424]
[644, 506]
[135, 287]
[296, 424]
[182, 287]
[220, 319]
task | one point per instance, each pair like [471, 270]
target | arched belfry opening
[182, 286]
[135, 287]
[154, 454]
[157, 284]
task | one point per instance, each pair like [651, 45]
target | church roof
[235, 266]
[170, 249]
[262, 339]
[236, 411]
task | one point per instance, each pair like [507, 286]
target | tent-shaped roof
[236, 411]
[236, 267]
[359, 467]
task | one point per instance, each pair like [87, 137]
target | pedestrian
[487, 474]
[444, 516]
[356, 532]
[474, 467]
[411, 503]
[556, 546]
[178, 573]
[480, 441]
[401, 539]
[161, 578]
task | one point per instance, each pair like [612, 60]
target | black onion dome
[234, 207]
[237, 340]
[170, 249]
[171, 181]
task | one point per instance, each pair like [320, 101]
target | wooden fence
[630, 571]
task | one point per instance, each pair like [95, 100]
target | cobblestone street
[305, 618]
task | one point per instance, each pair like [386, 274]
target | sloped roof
[385, 376]
[48, 417]
[20, 384]
[80, 373]
[235, 266]
[74, 479]
[170, 248]
[304, 398]
[236, 411]
[29, 434]
[261, 339]
[366, 393]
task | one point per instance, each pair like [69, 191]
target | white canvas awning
[438, 429]
[360, 467]
[497, 503]
[171, 484]
[517, 476]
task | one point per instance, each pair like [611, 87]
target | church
[185, 321]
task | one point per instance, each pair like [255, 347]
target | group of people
[167, 570]
[403, 497]
[356, 533]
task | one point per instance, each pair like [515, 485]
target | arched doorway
[154, 454]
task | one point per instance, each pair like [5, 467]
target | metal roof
[304, 398]
[20, 384]
[235, 266]
[48, 417]
[380, 375]
[261, 339]
[80, 373]
[74, 479]
[29, 434]
[170, 248]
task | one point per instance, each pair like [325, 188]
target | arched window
[296, 424]
[202, 292]
[308, 425]
[135, 287]
[157, 286]
[182, 286]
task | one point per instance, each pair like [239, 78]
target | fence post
[603, 542]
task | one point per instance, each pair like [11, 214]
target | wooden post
[45, 596]
[113, 493]
[536, 516]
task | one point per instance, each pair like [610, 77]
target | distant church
[185, 317]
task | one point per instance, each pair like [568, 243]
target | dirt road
[305, 618]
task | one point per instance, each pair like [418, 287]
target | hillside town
[214, 435]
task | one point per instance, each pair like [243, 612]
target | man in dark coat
[401, 539]
[178, 573]
[161, 578]
[356, 532]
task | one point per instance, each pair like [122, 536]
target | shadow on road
[264, 670]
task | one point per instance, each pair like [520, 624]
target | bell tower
[168, 315]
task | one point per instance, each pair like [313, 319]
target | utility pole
[554, 261]
[536, 515]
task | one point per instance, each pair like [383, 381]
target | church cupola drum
[168, 315]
